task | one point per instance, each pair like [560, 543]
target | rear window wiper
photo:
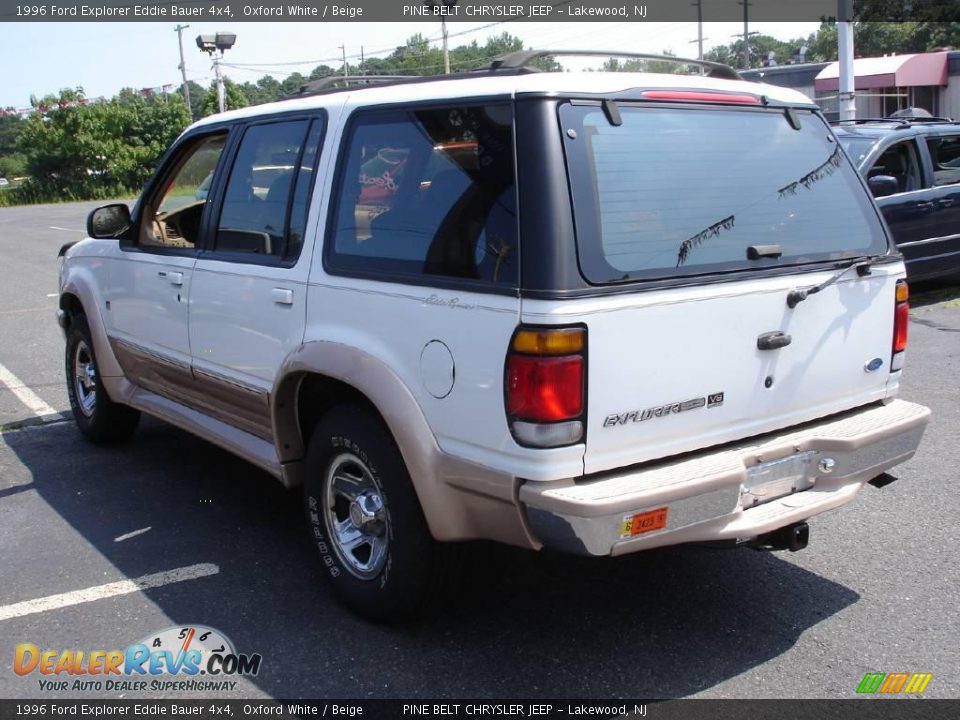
[862, 265]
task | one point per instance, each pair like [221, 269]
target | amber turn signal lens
[903, 292]
[549, 342]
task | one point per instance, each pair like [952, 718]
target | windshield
[857, 147]
[676, 191]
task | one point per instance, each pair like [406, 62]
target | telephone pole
[699, 4]
[846, 97]
[746, 34]
[183, 69]
[343, 49]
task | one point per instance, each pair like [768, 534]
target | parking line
[133, 534]
[28, 397]
[100, 592]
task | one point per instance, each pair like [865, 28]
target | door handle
[174, 278]
[282, 296]
[773, 340]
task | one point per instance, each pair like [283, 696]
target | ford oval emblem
[873, 365]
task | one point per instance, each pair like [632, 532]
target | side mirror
[109, 222]
[883, 185]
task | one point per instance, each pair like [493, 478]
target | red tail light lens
[544, 389]
[901, 319]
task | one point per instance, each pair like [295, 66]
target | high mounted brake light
[545, 382]
[697, 96]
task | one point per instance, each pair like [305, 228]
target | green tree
[760, 48]
[197, 96]
[12, 163]
[265, 90]
[76, 149]
[233, 98]
[615, 64]
[291, 84]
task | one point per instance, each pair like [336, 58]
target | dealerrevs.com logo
[194, 657]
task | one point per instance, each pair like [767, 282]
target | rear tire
[99, 418]
[365, 519]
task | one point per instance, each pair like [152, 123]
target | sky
[104, 57]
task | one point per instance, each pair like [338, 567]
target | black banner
[861, 709]
[454, 11]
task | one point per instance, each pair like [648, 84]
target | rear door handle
[174, 278]
[282, 296]
[773, 340]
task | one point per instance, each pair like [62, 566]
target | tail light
[545, 383]
[901, 319]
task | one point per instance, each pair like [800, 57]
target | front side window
[899, 161]
[857, 148]
[268, 169]
[171, 218]
[428, 192]
[945, 154]
[679, 191]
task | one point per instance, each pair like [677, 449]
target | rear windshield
[679, 191]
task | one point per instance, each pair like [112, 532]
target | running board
[251, 448]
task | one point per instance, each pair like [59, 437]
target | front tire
[365, 519]
[99, 418]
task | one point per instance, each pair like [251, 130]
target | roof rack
[516, 63]
[900, 122]
[522, 58]
[316, 87]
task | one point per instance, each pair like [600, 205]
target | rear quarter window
[427, 193]
[677, 191]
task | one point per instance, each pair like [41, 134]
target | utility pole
[343, 49]
[183, 69]
[446, 51]
[361, 60]
[746, 34]
[846, 98]
[442, 8]
[221, 91]
[699, 4]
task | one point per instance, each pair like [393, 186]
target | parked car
[568, 317]
[912, 165]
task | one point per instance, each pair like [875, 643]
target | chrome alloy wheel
[355, 516]
[85, 378]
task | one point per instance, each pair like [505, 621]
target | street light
[212, 44]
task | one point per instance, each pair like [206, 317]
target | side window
[171, 218]
[899, 161]
[945, 154]
[428, 192]
[266, 199]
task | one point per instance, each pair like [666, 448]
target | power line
[356, 56]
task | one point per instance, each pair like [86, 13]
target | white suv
[599, 312]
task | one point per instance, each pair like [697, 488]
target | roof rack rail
[522, 59]
[328, 82]
[900, 122]
[339, 83]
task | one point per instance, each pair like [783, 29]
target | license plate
[633, 525]
[777, 478]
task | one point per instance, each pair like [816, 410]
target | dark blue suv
[912, 166]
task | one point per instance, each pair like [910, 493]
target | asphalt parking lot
[876, 590]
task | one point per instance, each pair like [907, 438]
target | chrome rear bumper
[733, 492]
